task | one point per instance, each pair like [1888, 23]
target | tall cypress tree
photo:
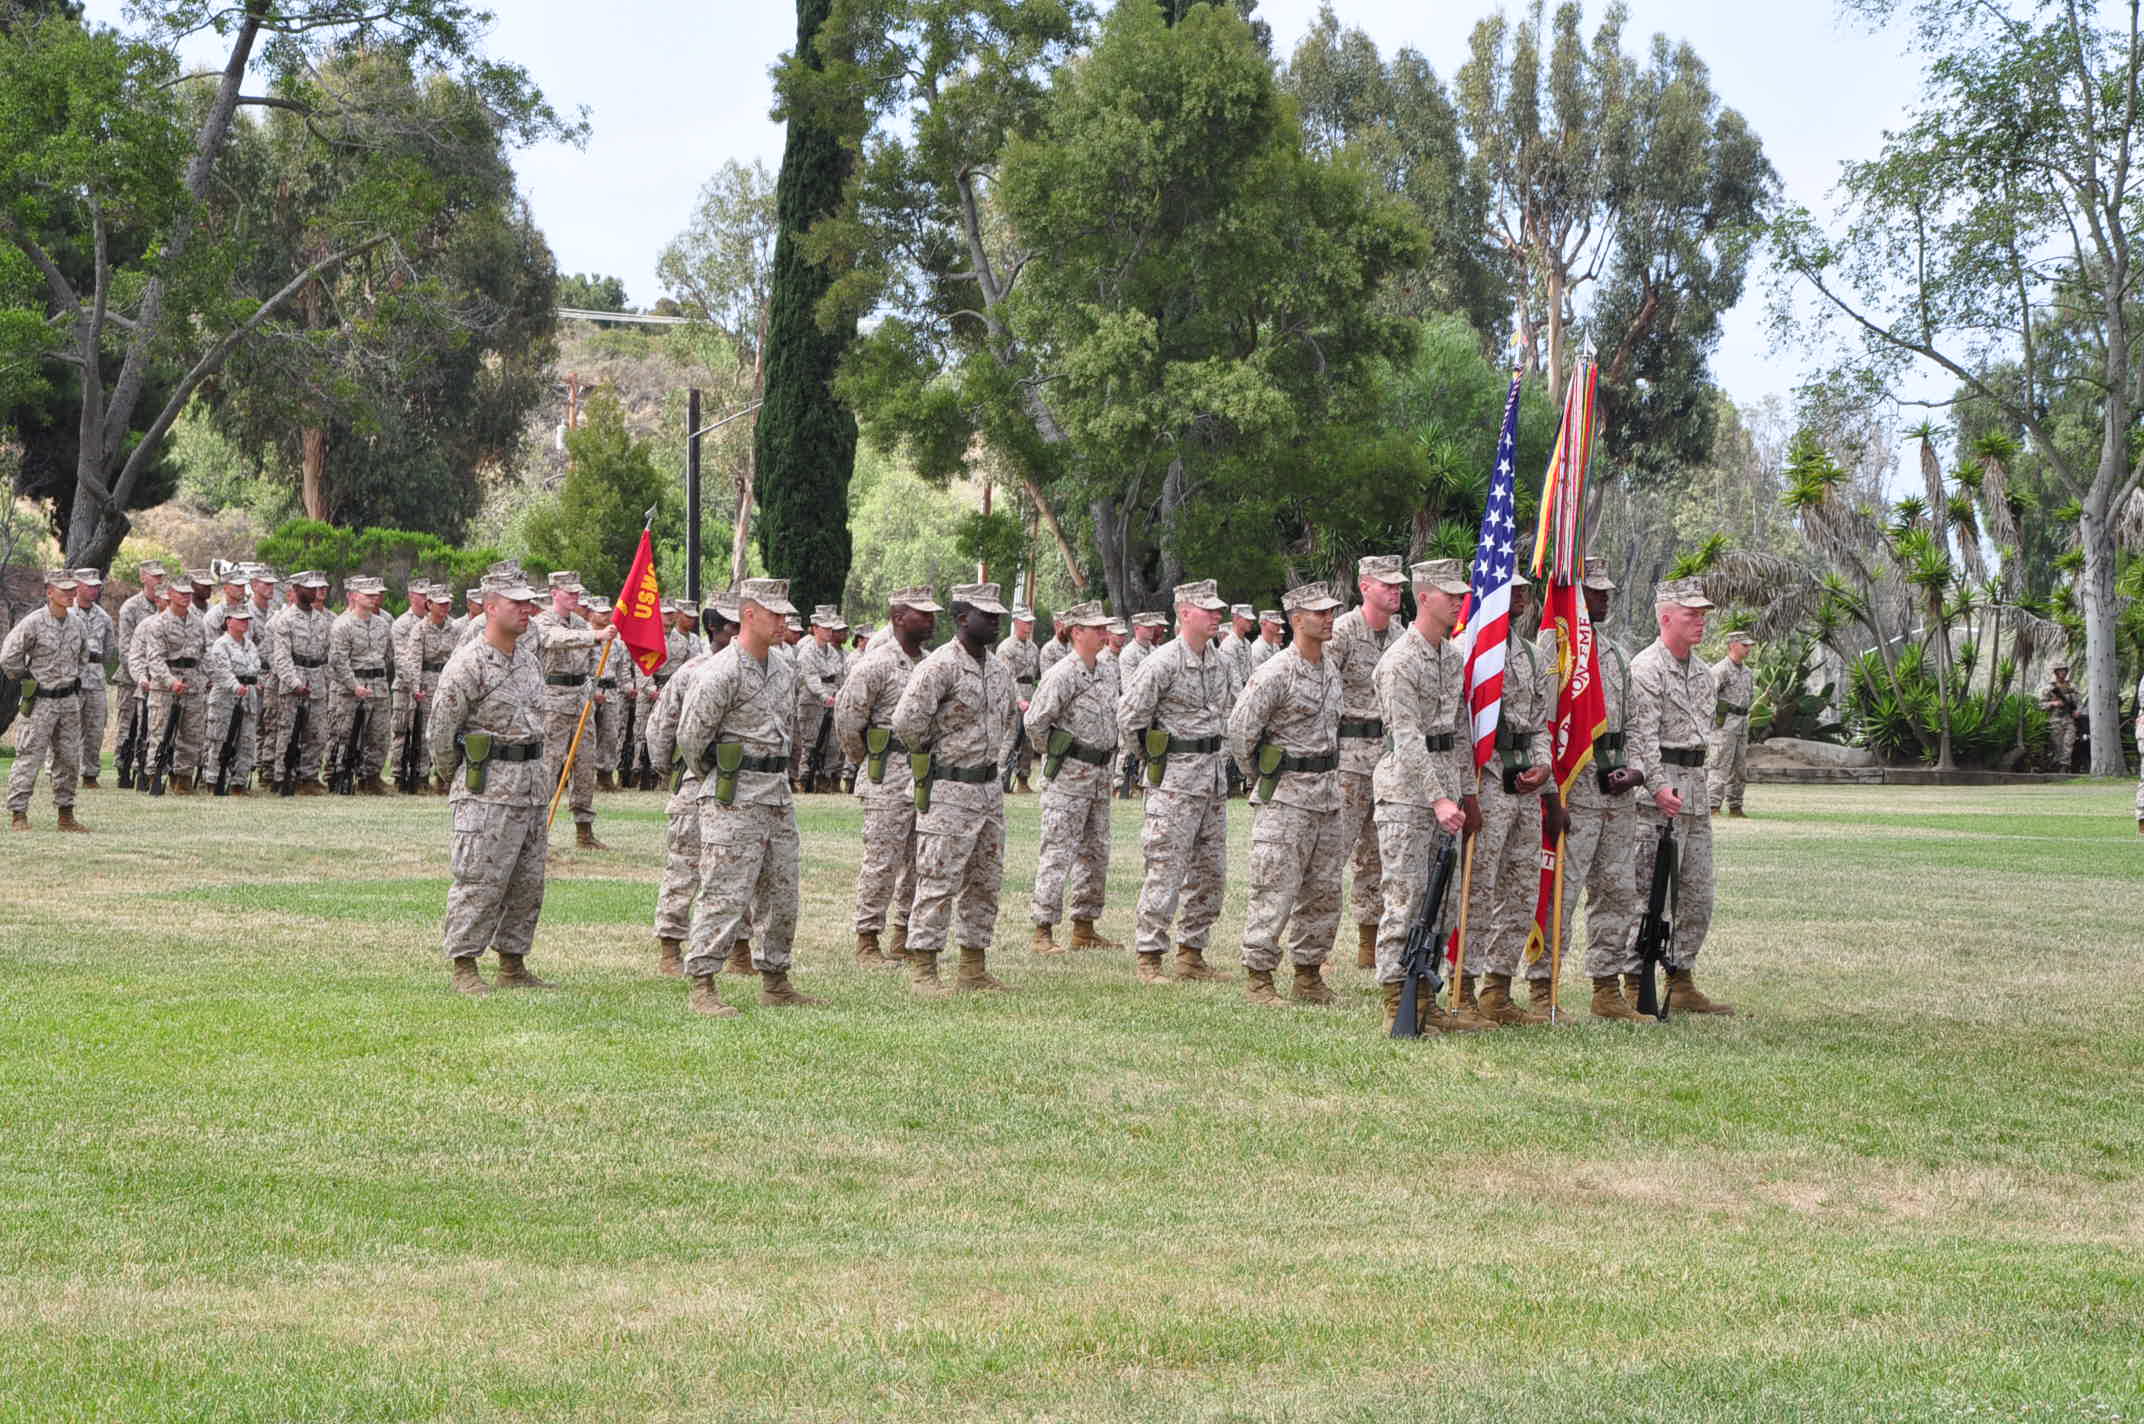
[805, 442]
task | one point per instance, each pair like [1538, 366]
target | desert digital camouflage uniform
[2062, 701]
[1729, 744]
[172, 646]
[360, 652]
[99, 645]
[130, 617]
[1431, 759]
[1023, 659]
[1600, 848]
[1507, 849]
[1299, 841]
[619, 687]
[299, 647]
[959, 710]
[232, 669]
[1184, 839]
[499, 839]
[1353, 653]
[819, 669]
[50, 650]
[261, 633]
[398, 721]
[1055, 651]
[681, 814]
[569, 648]
[1074, 854]
[419, 661]
[886, 880]
[1260, 649]
[749, 853]
[2140, 757]
[676, 653]
[1671, 707]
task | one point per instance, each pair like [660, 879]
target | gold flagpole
[565, 772]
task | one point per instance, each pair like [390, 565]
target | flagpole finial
[649, 517]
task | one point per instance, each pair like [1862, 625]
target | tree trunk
[748, 478]
[313, 453]
[1941, 631]
[2101, 652]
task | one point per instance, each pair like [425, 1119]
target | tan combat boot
[672, 962]
[89, 783]
[1736, 813]
[1684, 997]
[1465, 1007]
[584, 836]
[20, 822]
[1149, 970]
[776, 992]
[1541, 998]
[311, 788]
[468, 981]
[372, 786]
[1022, 788]
[923, 977]
[1496, 1005]
[69, 823]
[182, 784]
[867, 955]
[1609, 1003]
[1191, 964]
[1309, 986]
[1390, 993]
[897, 947]
[1365, 946]
[514, 974]
[1086, 936]
[974, 977]
[604, 783]
[707, 999]
[1259, 988]
[740, 958]
[1041, 943]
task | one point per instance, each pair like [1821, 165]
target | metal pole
[692, 494]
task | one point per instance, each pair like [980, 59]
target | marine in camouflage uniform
[1671, 703]
[1360, 637]
[820, 668]
[46, 645]
[2063, 702]
[886, 879]
[1271, 624]
[98, 648]
[131, 615]
[1737, 690]
[744, 706]
[1235, 646]
[570, 652]
[1146, 635]
[1077, 697]
[1023, 659]
[493, 684]
[420, 603]
[232, 669]
[263, 583]
[360, 654]
[1425, 779]
[681, 825]
[957, 708]
[299, 649]
[1183, 688]
[1298, 841]
[419, 661]
[172, 645]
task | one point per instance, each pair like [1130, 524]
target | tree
[805, 445]
[585, 291]
[593, 526]
[1995, 222]
[110, 150]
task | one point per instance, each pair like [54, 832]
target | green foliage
[996, 540]
[392, 554]
[585, 291]
[1900, 723]
[904, 528]
[1784, 705]
[593, 526]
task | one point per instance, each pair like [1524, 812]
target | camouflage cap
[566, 579]
[724, 605]
[1150, 620]
[793, 623]
[1311, 598]
[770, 594]
[1444, 575]
[311, 578]
[1243, 610]
[1021, 613]
[505, 568]
[241, 612]
[364, 583]
[1596, 575]
[1199, 594]
[150, 566]
[177, 588]
[59, 578]
[826, 615]
[918, 599]
[1271, 615]
[982, 597]
[667, 606]
[1117, 626]
[1682, 592]
[474, 593]
[90, 577]
[687, 607]
[1742, 635]
[596, 603]
[201, 578]
[510, 586]
[1385, 568]
[1084, 615]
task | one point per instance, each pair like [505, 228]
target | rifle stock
[815, 764]
[344, 781]
[130, 744]
[1656, 932]
[412, 741]
[287, 784]
[1425, 938]
[166, 748]
[227, 749]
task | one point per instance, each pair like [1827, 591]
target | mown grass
[256, 1163]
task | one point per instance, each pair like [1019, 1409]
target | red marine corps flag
[638, 616]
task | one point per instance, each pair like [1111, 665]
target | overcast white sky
[673, 89]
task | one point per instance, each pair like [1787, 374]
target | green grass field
[258, 1163]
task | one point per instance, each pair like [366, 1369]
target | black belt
[54, 694]
[1731, 710]
[1683, 756]
[1024, 681]
[1513, 738]
[247, 679]
[186, 663]
[515, 751]
[435, 667]
[1608, 742]
[750, 763]
[368, 672]
[609, 682]
[1330, 761]
[564, 679]
[1088, 753]
[1438, 742]
[1189, 746]
[973, 775]
[308, 662]
[1371, 727]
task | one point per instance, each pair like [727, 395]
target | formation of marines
[1343, 727]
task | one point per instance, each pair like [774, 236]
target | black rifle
[628, 745]
[343, 780]
[130, 745]
[815, 764]
[1425, 939]
[412, 744]
[227, 751]
[287, 784]
[1131, 779]
[166, 747]
[1012, 760]
[1656, 932]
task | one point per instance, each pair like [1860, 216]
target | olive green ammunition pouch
[919, 766]
[1155, 742]
[876, 742]
[729, 757]
[1269, 759]
[1053, 754]
[476, 751]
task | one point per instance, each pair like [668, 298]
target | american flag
[1488, 613]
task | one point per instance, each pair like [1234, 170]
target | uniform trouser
[497, 864]
[1296, 859]
[960, 854]
[186, 745]
[53, 729]
[681, 863]
[2062, 736]
[1730, 749]
[886, 881]
[1507, 881]
[1693, 896]
[1597, 853]
[2140, 790]
[1074, 861]
[1185, 842]
[268, 734]
[128, 704]
[372, 747]
[312, 745]
[406, 726]
[749, 863]
[1024, 764]
[606, 724]
[811, 712]
[219, 726]
[640, 728]
[92, 699]
[560, 716]
[1358, 802]
[1405, 837]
